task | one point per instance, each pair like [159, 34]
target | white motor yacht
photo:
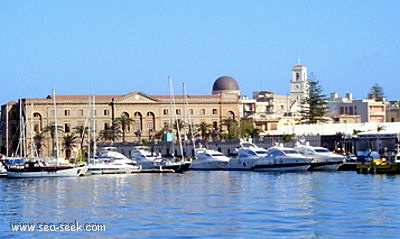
[247, 154]
[112, 162]
[323, 159]
[209, 159]
[282, 159]
[145, 157]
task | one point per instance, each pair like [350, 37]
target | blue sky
[116, 47]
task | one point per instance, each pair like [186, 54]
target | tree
[51, 129]
[248, 130]
[378, 92]
[205, 129]
[81, 130]
[314, 106]
[123, 122]
[232, 127]
[38, 143]
[109, 134]
[69, 144]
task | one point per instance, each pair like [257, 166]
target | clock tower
[298, 86]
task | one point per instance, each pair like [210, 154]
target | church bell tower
[298, 86]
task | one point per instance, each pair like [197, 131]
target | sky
[117, 47]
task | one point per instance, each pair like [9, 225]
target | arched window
[138, 118]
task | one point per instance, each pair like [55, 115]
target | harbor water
[207, 204]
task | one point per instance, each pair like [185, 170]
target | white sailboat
[178, 165]
[39, 167]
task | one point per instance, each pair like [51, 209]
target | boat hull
[325, 166]
[208, 165]
[290, 167]
[48, 172]
[387, 168]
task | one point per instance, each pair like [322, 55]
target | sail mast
[55, 124]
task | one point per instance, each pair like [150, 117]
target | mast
[94, 125]
[89, 128]
[31, 133]
[55, 125]
[7, 144]
[172, 102]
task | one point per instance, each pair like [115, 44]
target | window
[214, 111]
[202, 111]
[106, 126]
[67, 128]
[80, 112]
[106, 112]
[165, 111]
[36, 128]
[67, 112]
[191, 111]
[178, 111]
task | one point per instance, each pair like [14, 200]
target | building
[392, 111]
[26, 118]
[369, 110]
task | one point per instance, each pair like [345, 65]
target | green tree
[232, 127]
[123, 123]
[378, 92]
[314, 106]
[109, 134]
[51, 129]
[205, 129]
[247, 130]
[38, 144]
[69, 144]
[82, 131]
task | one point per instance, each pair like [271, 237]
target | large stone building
[150, 113]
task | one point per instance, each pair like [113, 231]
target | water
[213, 204]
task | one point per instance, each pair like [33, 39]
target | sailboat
[40, 167]
[172, 163]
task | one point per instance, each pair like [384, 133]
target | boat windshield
[217, 154]
[322, 150]
[290, 151]
[261, 152]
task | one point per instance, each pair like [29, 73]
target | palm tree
[81, 130]
[69, 144]
[109, 134]
[38, 139]
[205, 129]
[51, 128]
[123, 122]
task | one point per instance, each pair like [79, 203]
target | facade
[369, 110]
[393, 111]
[150, 113]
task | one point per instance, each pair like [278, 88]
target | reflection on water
[208, 204]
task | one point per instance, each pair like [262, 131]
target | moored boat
[247, 154]
[323, 159]
[209, 159]
[282, 159]
[33, 168]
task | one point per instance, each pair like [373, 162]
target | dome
[225, 84]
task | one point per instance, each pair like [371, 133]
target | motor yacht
[247, 154]
[282, 159]
[323, 159]
[209, 159]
